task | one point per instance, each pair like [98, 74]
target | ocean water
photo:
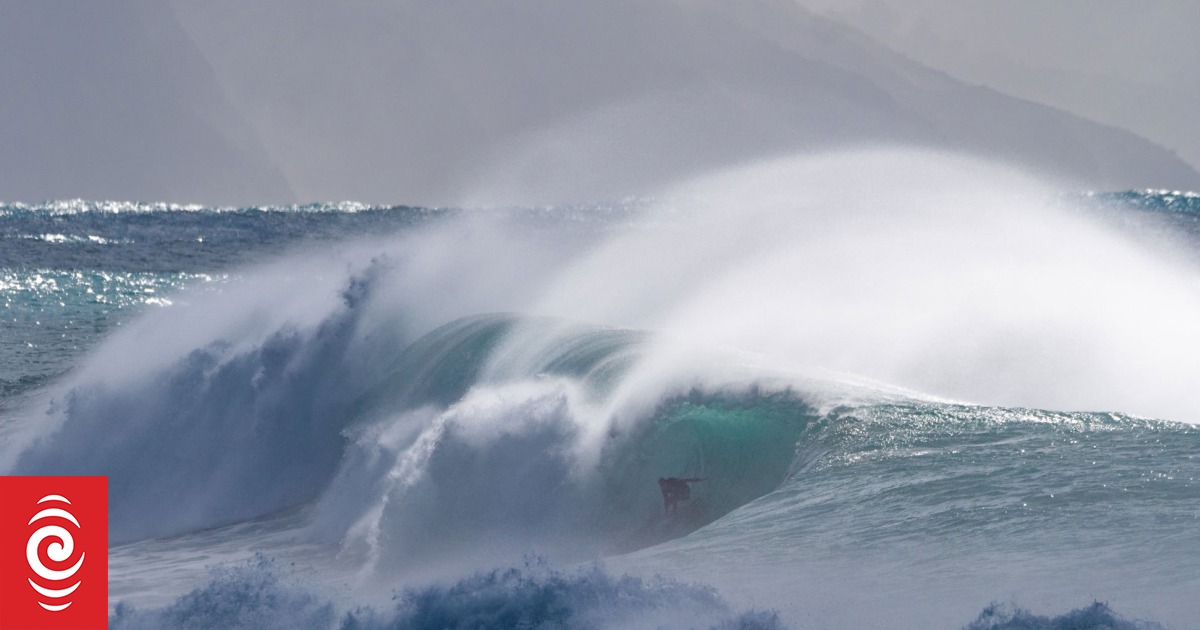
[922, 392]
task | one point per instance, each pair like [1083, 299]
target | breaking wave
[479, 386]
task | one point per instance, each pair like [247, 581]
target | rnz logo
[61, 550]
[53, 552]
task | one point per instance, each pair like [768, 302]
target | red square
[53, 553]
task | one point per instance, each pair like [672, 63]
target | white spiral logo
[59, 551]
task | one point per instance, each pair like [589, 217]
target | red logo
[53, 553]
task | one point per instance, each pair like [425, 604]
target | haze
[535, 101]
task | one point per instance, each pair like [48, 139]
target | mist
[454, 103]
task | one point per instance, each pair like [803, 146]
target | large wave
[460, 441]
[489, 383]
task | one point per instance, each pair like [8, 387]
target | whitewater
[923, 390]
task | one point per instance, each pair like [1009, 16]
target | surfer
[675, 490]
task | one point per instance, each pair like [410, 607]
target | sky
[452, 102]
